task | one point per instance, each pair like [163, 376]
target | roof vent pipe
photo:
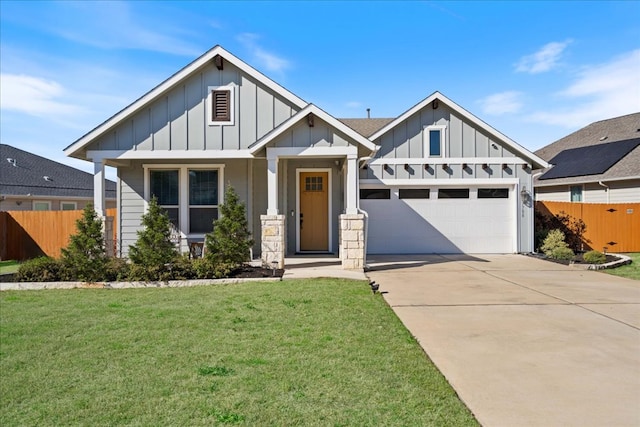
[368, 113]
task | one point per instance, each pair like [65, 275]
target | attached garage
[440, 220]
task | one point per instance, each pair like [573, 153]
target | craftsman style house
[436, 179]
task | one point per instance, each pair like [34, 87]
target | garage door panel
[471, 225]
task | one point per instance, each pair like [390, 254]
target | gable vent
[221, 108]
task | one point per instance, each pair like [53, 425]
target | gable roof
[607, 133]
[27, 173]
[74, 150]
[321, 114]
[366, 127]
[536, 161]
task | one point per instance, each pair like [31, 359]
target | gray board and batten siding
[178, 119]
[462, 140]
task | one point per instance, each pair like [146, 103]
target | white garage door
[445, 220]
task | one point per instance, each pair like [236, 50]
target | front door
[314, 211]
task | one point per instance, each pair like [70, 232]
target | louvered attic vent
[221, 108]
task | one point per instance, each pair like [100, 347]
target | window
[164, 186]
[434, 141]
[68, 206]
[220, 102]
[453, 193]
[41, 206]
[203, 200]
[375, 193]
[493, 193]
[313, 183]
[413, 193]
[576, 193]
[190, 194]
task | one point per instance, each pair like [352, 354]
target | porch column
[351, 183]
[98, 187]
[272, 185]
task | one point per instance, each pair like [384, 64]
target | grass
[322, 352]
[9, 267]
[630, 271]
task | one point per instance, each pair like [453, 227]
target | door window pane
[493, 193]
[375, 193]
[453, 193]
[413, 193]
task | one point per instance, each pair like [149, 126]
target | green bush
[230, 242]
[595, 257]
[84, 258]
[116, 270]
[154, 252]
[42, 269]
[561, 253]
[183, 268]
[553, 242]
[205, 268]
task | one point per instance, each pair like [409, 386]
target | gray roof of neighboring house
[366, 127]
[26, 172]
[613, 130]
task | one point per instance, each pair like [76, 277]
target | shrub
[154, 251]
[230, 242]
[553, 241]
[116, 269]
[205, 268]
[42, 269]
[595, 257]
[561, 253]
[85, 258]
[182, 268]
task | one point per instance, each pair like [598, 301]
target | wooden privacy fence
[29, 234]
[615, 226]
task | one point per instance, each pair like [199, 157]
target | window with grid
[203, 200]
[313, 183]
[165, 188]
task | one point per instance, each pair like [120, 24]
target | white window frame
[209, 106]
[581, 193]
[47, 202]
[426, 140]
[74, 204]
[183, 191]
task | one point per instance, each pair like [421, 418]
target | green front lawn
[307, 352]
[9, 267]
[631, 271]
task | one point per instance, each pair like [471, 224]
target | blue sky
[536, 71]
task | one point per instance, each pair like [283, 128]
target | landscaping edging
[623, 260]
[34, 286]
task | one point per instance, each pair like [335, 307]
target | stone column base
[352, 241]
[273, 240]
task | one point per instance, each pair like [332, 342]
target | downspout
[607, 189]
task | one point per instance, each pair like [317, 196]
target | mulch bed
[249, 272]
[578, 259]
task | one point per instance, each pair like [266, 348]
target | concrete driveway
[524, 342]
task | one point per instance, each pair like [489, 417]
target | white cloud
[268, 60]
[114, 25]
[601, 91]
[34, 96]
[502, 103]
[353, 104]
[544, 59]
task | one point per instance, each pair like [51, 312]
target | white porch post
[272, 184]
[352, 185]
[98, 187]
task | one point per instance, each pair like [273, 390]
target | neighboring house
[31, 182]
[434, 180]
[599, 163]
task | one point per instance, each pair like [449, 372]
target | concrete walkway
[524, 342]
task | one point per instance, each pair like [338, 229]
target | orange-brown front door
[314, 215]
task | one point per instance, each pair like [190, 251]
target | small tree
[555, 247]
[154, 248]
[230, 242]
[85, 258]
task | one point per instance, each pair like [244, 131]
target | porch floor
[310, 266]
